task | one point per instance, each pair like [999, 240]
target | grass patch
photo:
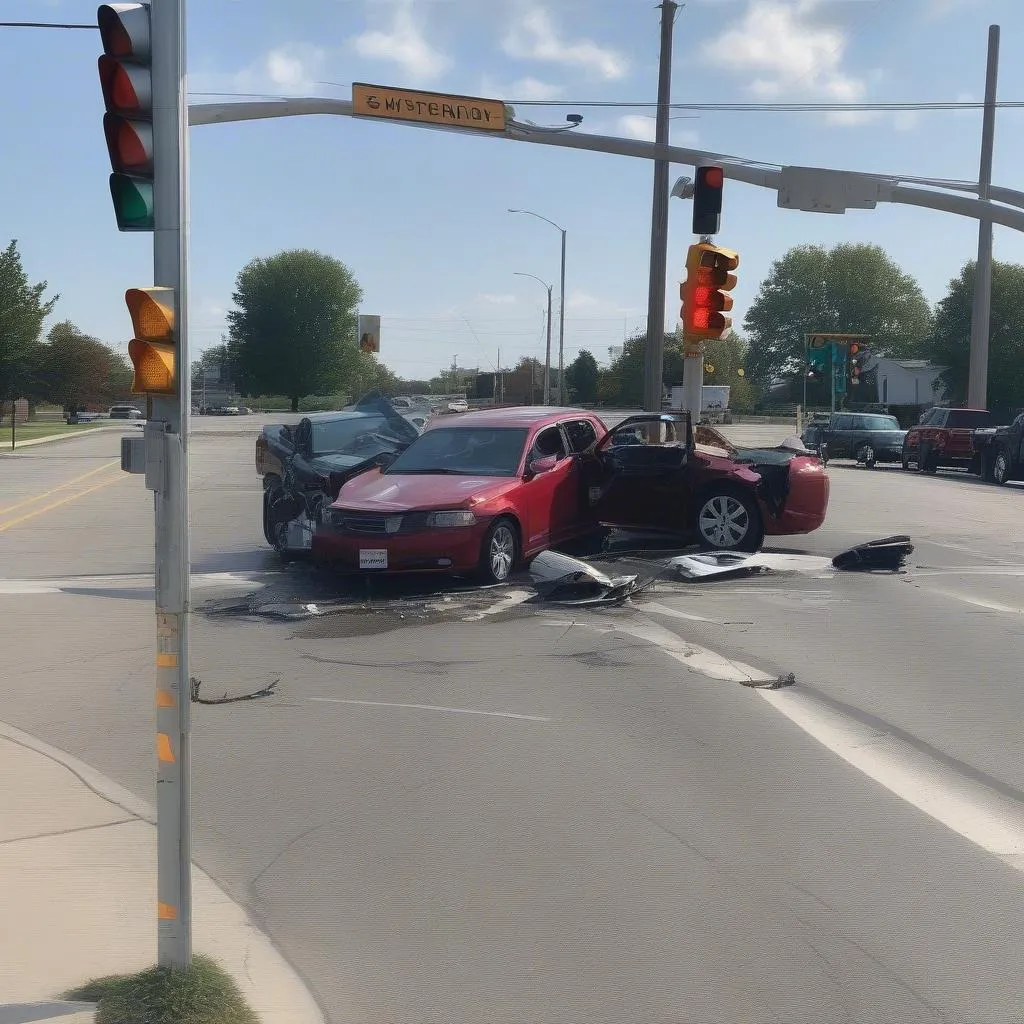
[30, 431]
[203, 993]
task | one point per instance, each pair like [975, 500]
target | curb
[114, 793]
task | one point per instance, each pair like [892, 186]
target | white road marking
[663, 609]
[990, 820]
[431, 707]
[979, 814]
[506, 602]
[141, 581]
[977, 602]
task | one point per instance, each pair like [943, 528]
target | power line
[43, 24]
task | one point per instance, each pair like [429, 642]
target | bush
[203, 993]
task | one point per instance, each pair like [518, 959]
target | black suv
[868, 437]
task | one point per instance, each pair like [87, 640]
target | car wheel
[1000, 469]
[729, 521]
[905, 459]
[926, 461]
[268, 531]
[499, 555]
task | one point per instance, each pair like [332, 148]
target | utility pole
[654, 352]
[977, 387]
[561, 326]
[547, 356]
[170, 426]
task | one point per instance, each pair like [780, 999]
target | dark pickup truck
[1000, 451]
[945, 439]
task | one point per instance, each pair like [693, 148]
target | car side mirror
[544, 465]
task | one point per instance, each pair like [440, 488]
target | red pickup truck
[944, 439]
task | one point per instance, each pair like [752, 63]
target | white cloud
[527, 88]
[498, 300]
[286, 69]
[536, 38]
[403, 44]
[641, 126]
[789, 52]
[581, 300]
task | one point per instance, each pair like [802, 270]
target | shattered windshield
[342, 435]
[473, 451]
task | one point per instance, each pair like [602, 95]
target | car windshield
[340, 435]
[877, 423]
[468, 451]
[968, 418]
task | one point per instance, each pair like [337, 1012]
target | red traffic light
[712, 177]
[126, 89]
[124, 30]
[130, 144]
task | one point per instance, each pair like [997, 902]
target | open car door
[638, 473]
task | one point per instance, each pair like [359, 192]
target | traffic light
[703, 293]
[707, 200]
[127, 83]
[858, 360]
[153, 348]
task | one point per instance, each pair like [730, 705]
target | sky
[420, 216]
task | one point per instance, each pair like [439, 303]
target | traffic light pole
[654, 350]
[167, 438]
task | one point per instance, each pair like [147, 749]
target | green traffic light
[133, 202]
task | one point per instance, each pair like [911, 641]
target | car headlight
[452, 519]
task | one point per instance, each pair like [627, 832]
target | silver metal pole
[170, 425]
[547, 357]
[977, 387]
[832, 371]
[654, 352]
[561, 327]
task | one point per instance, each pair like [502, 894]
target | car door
[551, 497]
[641, 481]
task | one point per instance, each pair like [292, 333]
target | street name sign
[393, 104]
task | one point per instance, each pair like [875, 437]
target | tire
[926, 462]
[905, 459]
[1000, 469]
[267, 531]
[499, 554]
[728, 520]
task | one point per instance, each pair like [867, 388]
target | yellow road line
[63, 501]
[70, 483]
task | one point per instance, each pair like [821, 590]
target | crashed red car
[482, 492]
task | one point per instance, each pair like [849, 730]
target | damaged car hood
[343, 462]
[395, 492]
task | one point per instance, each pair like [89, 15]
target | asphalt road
[460, 807]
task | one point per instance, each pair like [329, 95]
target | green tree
[294, 328]
[22, 312]
[725, 362]
[951, 339]
[850, 289]
[581, 378]
[622, 383]
[76, 371]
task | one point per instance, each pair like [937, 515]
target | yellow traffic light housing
[153, 348]
[704, 293]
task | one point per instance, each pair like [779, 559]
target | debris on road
[731, 564]
[266, 691]
[789, 679]
[889, 553]
[562, 579]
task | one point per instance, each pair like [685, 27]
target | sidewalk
[78, 894]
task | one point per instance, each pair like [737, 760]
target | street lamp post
[561, 303]
[547, 354]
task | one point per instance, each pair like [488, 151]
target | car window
[968, 418]
[878, 423]
[470, 451]
[843, 423]
[581, 434]
[341, 434]
[549, 442]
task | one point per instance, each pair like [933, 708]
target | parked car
[458, 405]
[1000, 451]
[124, 412]
[481, 493]
[305, 464]
[865, 436]
[944, 438]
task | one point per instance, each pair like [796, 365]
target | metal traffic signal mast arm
[814, 189]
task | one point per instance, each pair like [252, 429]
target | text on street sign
[427, 107]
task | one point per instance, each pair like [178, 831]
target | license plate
[373, 558]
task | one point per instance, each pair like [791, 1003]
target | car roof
[516, 416]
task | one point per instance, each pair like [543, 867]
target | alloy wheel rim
[502, 552]
[724, 521]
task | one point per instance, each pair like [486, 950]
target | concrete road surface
[465, 807]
